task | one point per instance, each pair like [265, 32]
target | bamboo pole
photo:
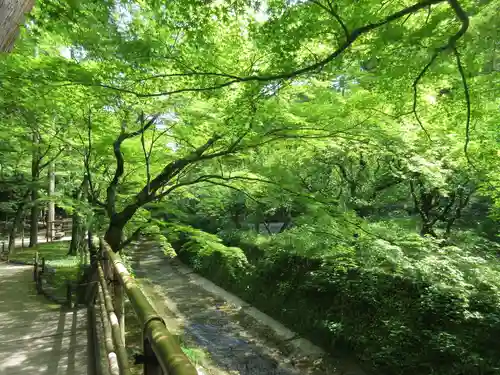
[35, 267]
[92, 340]
[169, 354]
[108, 340]
[119, 303]
[121, 351]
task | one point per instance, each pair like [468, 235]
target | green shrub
[407, 307]
[206, 253]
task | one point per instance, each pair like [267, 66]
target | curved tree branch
[350, 39]
[329, 9]
[464, 19]
[467, 101]
[120, 162]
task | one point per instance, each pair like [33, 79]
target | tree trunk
[35, 211]
[286, 222]
[463, 201]
[427, 228]
[449, 225]
[77, 234]
[18, 219]
[35, 175]
[75, 243]
[75, 227]
[114, 235]
[51, 212]
[11, 17]
[90, 243]
[78, 227]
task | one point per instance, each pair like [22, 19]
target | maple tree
[334, 119]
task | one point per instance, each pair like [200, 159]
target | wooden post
[158, 343]
[51, 213]
[120, 350]
[118, 297]
[68, 295]
[94, 253]
[108, 337]
[35, 268]
[151, 365]
[38, 273]
[92, 283]
[104, 263]
[39, 283]
[93, 340]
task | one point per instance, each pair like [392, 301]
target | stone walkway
[239, 338]
[38, 338]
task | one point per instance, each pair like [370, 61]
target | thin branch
[147, 154]
[467, 100]
[351, 38]
[407, 17]
[182, 184]
[415, 92]
[171, 170]
[382, 5]
[142, 129]
[87, 161]
[120, 161]
[59, 152]
[446, 209]
[464, 19]
[190, 74]
[47, 150]
[334, 14]
[416, 202]
[263, 180]
[278, 136]
[49, 146]
[429, 9]
[207, 179]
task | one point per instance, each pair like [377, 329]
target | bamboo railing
[162, 354]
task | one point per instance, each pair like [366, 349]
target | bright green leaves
[207, 70]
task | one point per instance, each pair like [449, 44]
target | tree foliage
[341, 147]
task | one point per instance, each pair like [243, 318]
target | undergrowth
[402, 304]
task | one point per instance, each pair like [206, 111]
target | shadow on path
[37, 337]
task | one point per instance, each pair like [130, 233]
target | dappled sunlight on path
[38, 337]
